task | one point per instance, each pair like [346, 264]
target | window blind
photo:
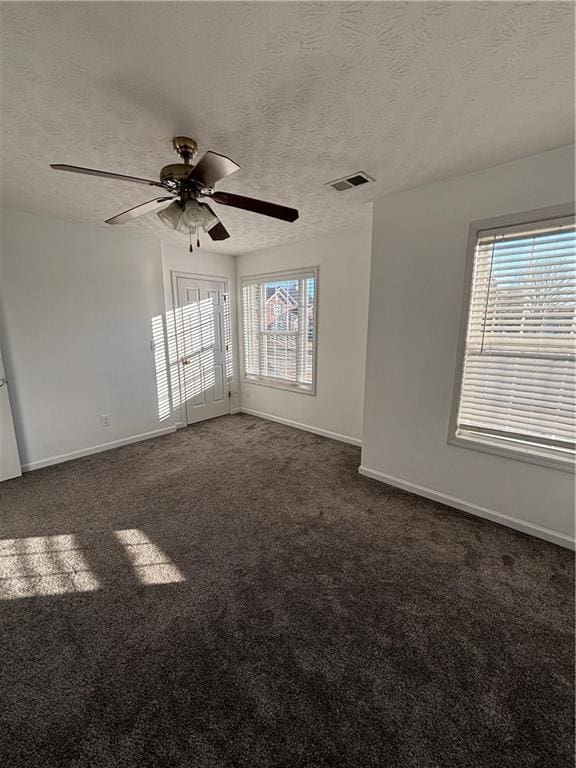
[519, 364]
[279, 329]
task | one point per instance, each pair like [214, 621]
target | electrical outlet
[105, 420]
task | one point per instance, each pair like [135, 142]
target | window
[516, 384]
[279, 329]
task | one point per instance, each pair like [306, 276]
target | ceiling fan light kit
[188, 215]
[184, 186]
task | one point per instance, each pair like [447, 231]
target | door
[201, 338]
[9, 458]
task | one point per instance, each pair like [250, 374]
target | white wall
[416, 296]
[343, 259]
[176, 258]
[77, 305]
[84, 323]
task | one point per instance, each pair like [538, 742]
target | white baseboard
[305, 427]
[474, 509]
[95, 449]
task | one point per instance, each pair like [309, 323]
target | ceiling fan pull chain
[191, 249]
[197, 240]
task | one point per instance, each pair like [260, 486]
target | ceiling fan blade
[140, 210]
[106, 175]
[211, 167]
[219, 232]
[256, 206]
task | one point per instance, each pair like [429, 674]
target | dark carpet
[321, 619]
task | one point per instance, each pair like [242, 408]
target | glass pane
[525, 296]
[308, 366]
[281, 306]
[251, 337]
[280, 357]
[519, 365]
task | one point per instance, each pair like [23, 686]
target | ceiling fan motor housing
[175, 172]
[187, 149]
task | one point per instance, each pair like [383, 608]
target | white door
[201, 336]
[9, 459]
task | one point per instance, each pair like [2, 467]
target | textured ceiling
[297, 93]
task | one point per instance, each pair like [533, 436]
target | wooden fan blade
[106, 175]
[219, 232]
[256, 206]
[211, 167]
[140, 210]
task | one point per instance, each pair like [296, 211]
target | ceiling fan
[184, 186]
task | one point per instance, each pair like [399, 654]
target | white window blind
[279, 329]
[518, 378]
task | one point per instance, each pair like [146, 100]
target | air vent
[349, 182]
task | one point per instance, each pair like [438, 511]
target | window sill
[512, 449]
[285, 385]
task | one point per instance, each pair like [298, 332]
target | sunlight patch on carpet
[151, 564]
[43, 565]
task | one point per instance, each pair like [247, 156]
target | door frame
[8, 438]
[174, 275]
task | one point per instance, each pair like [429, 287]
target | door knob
[3, 381]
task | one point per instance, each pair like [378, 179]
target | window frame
[268, 381]
[500, 446]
